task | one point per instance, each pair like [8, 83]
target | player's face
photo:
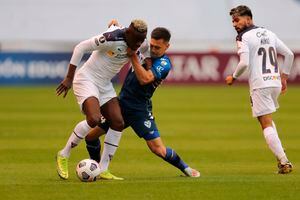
[158, 47]
[241, 22]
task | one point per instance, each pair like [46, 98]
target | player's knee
[93, 120]
[117, 124]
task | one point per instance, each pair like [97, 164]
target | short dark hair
[241, 10]
[161, 33]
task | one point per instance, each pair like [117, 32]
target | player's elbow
[146, 78]
[77, 49]
[144, 81]
[290, 55]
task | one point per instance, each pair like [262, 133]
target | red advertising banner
[210, 68]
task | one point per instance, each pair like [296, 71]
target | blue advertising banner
[33, 68]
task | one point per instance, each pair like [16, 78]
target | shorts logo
[103, 120]
[147, 124]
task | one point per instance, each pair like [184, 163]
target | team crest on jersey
[163, 63]
[110, 53]
[147, 123]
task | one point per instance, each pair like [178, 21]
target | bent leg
[91, 109]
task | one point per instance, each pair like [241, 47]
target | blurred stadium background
[208, 124]
[37, 37]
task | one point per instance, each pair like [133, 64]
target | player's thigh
[83, 89]
[111, 109]
[262, 102]
[106, 93]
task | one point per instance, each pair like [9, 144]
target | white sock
[274, 143]
[111, 143]
[79, 133]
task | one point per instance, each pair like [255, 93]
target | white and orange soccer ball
[87, 170]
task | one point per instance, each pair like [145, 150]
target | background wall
[195, 24]
[37, 36]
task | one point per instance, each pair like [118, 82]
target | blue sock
[174, 159]
[94, 148]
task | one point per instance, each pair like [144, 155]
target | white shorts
[84, 88]
[264, 100]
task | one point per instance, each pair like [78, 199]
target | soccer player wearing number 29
[257, 49]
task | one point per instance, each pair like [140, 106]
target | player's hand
[284, 78]
[229, 80]
[148, 63]
[64, 87]
[113, 22]
[130, 52]
[283, 86]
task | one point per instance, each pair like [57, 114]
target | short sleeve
[161, 68]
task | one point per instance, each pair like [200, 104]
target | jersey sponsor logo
[261, 34]
[147, 123]
[159, 69]
[121, 56]
[271, 78]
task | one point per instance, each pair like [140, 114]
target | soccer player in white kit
[257, 49]
[94, 90]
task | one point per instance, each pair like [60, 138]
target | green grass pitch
[210, 127]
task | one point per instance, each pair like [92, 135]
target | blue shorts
[142, 123]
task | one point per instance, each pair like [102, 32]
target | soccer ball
[87, 170]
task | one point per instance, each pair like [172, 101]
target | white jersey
[109, 55]
[261, 45]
